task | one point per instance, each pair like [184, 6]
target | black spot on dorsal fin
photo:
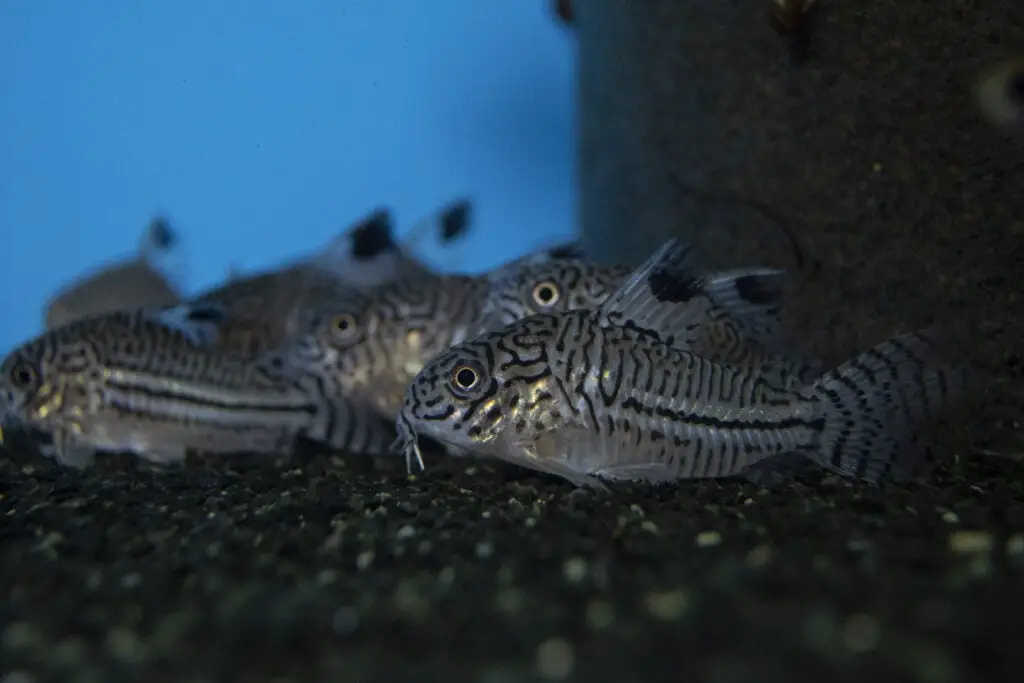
[206, 313]
[674, 286]
[455, 220]
[161, 234]
[569, 250]
[373, 236]
[758, 289]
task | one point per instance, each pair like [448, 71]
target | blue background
[262, 128]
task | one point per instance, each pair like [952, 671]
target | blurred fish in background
[263, 311]
[999, 93]
[139, 282]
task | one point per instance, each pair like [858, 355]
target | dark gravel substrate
[332, 570]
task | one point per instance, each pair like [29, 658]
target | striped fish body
[378, 340]
[268, 310]
[572, 397]
[734, 318]
[151, 383]
[609, 394]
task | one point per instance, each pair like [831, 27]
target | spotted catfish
[143, 280]
[377, 339]
[266, 310]
[734, 314]
[606, 394]
[153, 382]
[745, 300]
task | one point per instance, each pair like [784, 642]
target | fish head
[546, 287]
[44, 381]
[455, 399]
[373, 350]
[479, 394]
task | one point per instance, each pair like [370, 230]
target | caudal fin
[875, 406]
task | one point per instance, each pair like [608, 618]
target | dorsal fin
[572, 250]
[446, 226]
[158, 239]
[200, 323]
[456, 219]
[657, 295]
[366, 254]
[752, 297]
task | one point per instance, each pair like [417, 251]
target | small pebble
[951, 517]
[17, 677]
[484, 549]
[555, 659]
[509, 600]
[345, 620]
[668, 606]
[446, 576]
[706, 539]
[575, 569]
[407, 531]
[861, 633]
[970, 541]
[759, 556]
[600, 615]
[364, 559]
[124, 645]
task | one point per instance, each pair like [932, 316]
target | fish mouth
[407, 443]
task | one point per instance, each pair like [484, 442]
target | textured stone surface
[332, 569]
[871, 144]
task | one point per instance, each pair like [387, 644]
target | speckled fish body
[266, 311]
[153, 383]
[137, 282]
[605, 394]
[375, 341]
[734, 314]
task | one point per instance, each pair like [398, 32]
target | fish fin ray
[874, 406]
[752, 298]
[659, 294]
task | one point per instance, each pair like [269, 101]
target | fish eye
[23, 375]
[344, 326]
[465, 378]
[546, 293]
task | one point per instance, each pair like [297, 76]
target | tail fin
[875, 405]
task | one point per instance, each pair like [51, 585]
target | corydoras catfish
[137, 282]
[376, 339]
[154, 382]
[605, 394]
[735, 313]
[265, 310]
